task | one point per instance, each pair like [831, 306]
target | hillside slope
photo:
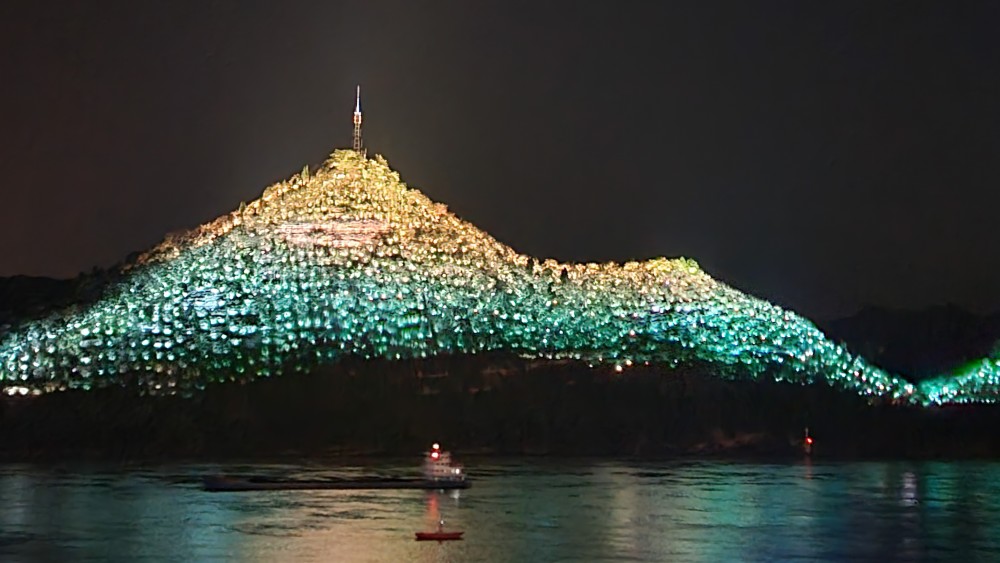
[349, 261]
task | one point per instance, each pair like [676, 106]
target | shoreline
[382, 410]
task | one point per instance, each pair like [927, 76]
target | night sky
[822, 155]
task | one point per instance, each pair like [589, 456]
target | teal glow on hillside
[977, 382]
[349, 261]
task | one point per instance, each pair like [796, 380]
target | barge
[439, 473]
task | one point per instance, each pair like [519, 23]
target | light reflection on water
[525, 510]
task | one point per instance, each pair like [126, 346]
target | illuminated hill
[348, 261]
[977, 382]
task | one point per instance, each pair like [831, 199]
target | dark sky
[822, 155]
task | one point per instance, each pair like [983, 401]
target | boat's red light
[809, 440]
[434, 455]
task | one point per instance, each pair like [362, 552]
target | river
[516, 510]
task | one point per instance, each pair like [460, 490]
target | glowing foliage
[978, 382]
[349, 261]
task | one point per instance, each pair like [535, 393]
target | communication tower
[357, 122]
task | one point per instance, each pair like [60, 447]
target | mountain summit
[349, 261]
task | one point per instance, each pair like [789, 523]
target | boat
[438, 467]
[439, 473]
[440, 534]
[222, 483]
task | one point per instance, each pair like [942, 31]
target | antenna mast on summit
[357, 122]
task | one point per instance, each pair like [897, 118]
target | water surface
[522, 510]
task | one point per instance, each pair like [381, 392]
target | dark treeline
[23, 298]
[483, 404]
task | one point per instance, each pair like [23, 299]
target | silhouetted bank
[494, 405]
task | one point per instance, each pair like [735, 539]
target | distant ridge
[26, 297]
[20, 295]
[921, 343]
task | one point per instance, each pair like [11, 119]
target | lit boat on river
[438, 467]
